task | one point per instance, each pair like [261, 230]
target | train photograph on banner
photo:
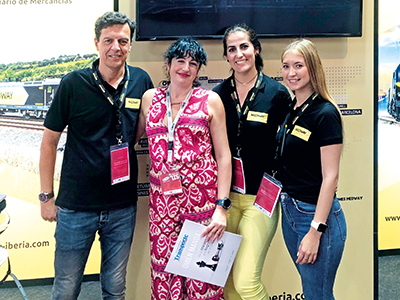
[28, 99]
[393, 101]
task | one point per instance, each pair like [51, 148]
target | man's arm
[48, 155]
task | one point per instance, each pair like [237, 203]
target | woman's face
[295, 72]
[183, 70]
[240, 52]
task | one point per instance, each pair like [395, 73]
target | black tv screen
[207, 19]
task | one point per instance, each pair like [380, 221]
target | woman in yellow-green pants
[255, 107]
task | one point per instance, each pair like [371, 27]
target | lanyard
[171, 125]
[243, 111]
[288, 128]
[118, 103]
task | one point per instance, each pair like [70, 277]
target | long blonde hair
[309, 51]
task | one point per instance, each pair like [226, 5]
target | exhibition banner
[42, 41]
[388, 126]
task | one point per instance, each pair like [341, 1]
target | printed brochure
[195, 258]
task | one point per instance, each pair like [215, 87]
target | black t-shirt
[85, 182]
[300, 165]
[257, 136]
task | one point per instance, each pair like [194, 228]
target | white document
[195, 258]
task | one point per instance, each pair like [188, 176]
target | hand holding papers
[195, 258]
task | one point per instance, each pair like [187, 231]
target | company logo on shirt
[301, 133]
[257, 116]
[132, 103]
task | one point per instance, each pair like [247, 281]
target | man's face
[114, 45]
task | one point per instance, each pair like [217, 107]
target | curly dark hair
[186, 46]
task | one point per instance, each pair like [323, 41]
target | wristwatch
[44, 197]
[225, 202]
[321, 227]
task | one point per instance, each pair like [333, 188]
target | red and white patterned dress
[198, 169]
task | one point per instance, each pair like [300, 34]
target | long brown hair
[309, 51]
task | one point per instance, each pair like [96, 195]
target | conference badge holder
[238, 182]
[171, 182]
[120, 167]
[268, 194]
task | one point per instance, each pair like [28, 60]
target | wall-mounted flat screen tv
[208, 19]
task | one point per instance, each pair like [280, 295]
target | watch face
[44, 197]
[227, 203]
[322, 227]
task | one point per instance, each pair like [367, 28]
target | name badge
[257, 116]
[238, 182]
[171, 183]
[120, 167]
[132, 103]
[268, 195]
[301, 133]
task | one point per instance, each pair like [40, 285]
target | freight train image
[27, 98]
[393, 105]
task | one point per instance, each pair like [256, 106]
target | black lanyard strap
[287, 128]
[242, 111]
[117, 103]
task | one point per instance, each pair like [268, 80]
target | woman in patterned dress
[184, 146]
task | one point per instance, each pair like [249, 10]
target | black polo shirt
[85, 183]
[300, 165]
[257, 136]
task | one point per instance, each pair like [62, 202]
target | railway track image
[19, 123]
[16, 122]
[388, 119]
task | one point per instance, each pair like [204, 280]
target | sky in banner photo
[34, 30]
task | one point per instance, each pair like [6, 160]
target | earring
[227, 60]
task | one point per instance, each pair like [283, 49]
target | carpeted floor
[388, 285]
[90, 291]
[389, 277]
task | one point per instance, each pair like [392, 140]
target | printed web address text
[25, 245]
[287, 296]
[392, 218]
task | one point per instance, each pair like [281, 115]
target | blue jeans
[75, 233]
[318, 278]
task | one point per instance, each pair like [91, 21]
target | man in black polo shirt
[97, 193]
